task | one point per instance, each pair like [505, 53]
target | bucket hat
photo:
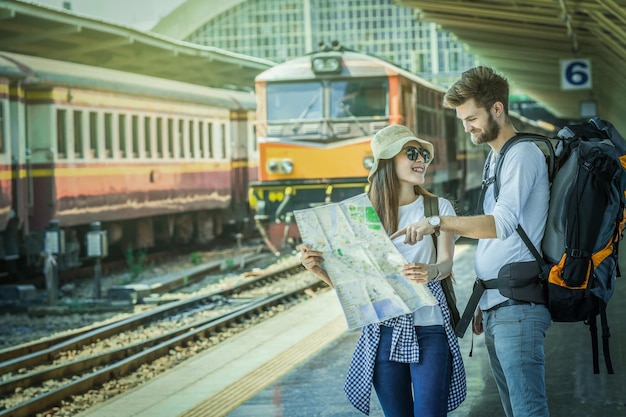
[388, 142]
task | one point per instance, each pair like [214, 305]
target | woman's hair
[383, 194]
[481, 84]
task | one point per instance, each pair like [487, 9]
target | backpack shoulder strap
[431, 205]
[494, 179]
[431, 208]
[519, 137]
[524, 137]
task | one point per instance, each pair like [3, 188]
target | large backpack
[587, 169]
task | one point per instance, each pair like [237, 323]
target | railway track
[112, 264]
[38, 377]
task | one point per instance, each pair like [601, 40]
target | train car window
[294, 101]
[108, 135]
[147, 134]
[121, 125]
[210, 148]
[78, 134]
[428, 113]
[191, 137]
[159, 137]
[135, 134]
[93, 134]
[61, 135]
[360, 98]
[451, 134]
[407, 109]
[181, 139]
[223, 138]
[170, 138]
[201, 147]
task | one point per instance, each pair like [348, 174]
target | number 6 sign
[575, 74]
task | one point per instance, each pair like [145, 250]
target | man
[514, 329]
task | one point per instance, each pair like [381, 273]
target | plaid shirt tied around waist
[405, 349]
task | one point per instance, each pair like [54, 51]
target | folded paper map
[363, 264]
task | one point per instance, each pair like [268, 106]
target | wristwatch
[435, 222]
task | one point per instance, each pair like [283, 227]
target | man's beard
[490, 133]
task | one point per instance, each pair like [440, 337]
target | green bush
[136, 262]
[196, 258]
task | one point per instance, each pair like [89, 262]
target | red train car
[153, 160]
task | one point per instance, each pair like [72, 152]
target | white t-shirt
[422, 252]
[523, 200]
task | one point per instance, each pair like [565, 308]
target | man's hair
[481, 84]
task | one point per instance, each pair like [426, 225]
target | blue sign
[575, 74]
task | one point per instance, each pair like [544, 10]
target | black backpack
[586, 165]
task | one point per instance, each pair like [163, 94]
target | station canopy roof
[526, 41]
[34, 29]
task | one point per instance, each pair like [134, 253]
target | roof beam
[541, 15]
[47, 34]
[91, 46]
[6, 13]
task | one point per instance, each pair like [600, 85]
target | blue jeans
[428, 381]
[514, 337]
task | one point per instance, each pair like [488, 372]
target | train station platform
[294, 365]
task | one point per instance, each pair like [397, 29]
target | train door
[239, 163]
[6, 185]
[5, 156]
[13, 121]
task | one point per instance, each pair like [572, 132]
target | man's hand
[415, 232]
[477, 323]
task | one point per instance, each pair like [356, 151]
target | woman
[413, 361]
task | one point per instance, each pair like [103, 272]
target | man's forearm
[476, 227]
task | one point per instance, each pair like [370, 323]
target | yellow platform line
[230, 397]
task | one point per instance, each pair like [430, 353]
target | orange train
[316, 116]
[153, 161]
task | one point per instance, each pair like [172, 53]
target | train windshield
[294, 101]
[359, 98]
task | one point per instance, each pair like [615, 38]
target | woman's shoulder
[445, 207]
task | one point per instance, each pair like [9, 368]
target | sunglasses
[412, 153]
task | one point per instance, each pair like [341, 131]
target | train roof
[355, 65]
[38, 72]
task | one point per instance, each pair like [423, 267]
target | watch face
[434, 221]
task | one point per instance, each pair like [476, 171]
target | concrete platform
[216, 381]
[315, 388]
[294, 365]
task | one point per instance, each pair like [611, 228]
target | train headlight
[272, 166]
[280, 166]
[368, 162]
[326, 64]
[286, 166]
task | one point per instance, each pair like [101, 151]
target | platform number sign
[575, 74]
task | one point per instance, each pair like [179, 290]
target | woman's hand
[420, 273]
[311, 260]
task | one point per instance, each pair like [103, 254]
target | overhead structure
[38, 30]
[546, 48]
[190, 15]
